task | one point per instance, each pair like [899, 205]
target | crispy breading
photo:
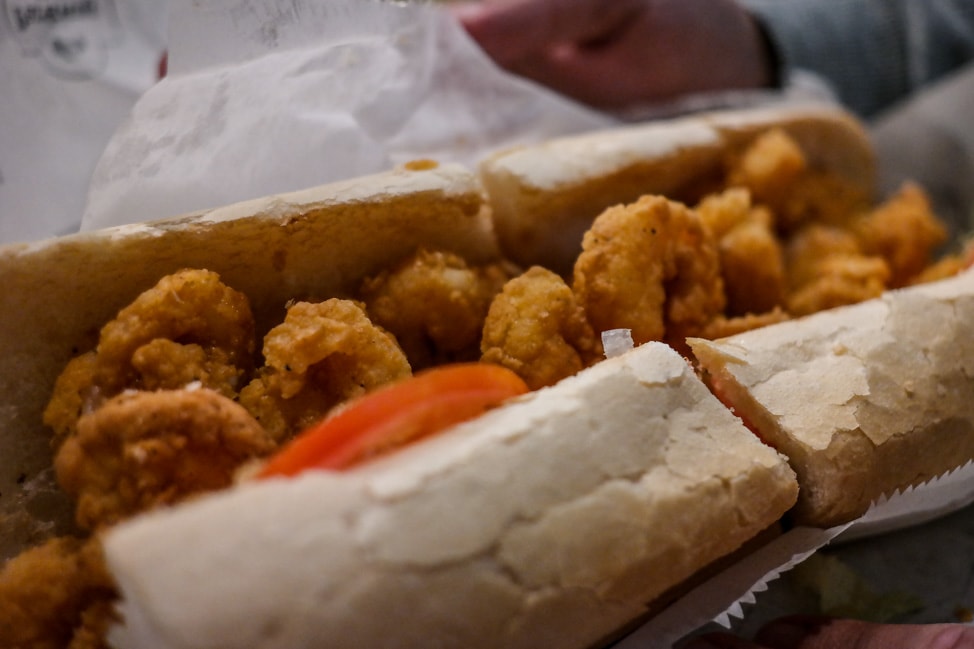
[751, 257]
[536, 328]
[56, 595]
[841, 280]
[651, 267]
[144, 449]
[188, 307]
[904, 231]
[74, 394]
[321, 355]
[723, 327]
[189, 327]
[435, 305]
[773, 167]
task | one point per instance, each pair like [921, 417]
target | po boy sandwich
[568, 509]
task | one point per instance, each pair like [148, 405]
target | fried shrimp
[74, 394]
[435, 305]
[144, 449]
[903, 231]
[321, 355]
[775, 170]
[751, 257]
[191, 307]
[651, 267]
[536, 328]
[56, 595]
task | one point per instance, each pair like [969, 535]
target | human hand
[625, 52]
[809, 632]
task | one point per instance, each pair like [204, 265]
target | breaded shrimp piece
[188, 328]
[74, 394]
[188, 307]
[904, 231]
[651, 267]
[841, 280]
[536, 328]
[321, 355]
[810, 245]
[56, 595]
[775, 170]
[722, 327]
[435, 305]
[751, 257]
[145, 449]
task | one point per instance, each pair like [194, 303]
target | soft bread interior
[549, 522]
[864, 399]
[319, 242]
[545, 196]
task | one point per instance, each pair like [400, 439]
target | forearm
[873, 52]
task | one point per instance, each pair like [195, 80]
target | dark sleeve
[873, 52]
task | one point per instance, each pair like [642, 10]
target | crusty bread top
[864, 399]
[545, 196]
[56, 294]
[885, 366]
[549, 522]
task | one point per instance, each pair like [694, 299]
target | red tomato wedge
[395, 415]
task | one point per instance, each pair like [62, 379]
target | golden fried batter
[188, 328]
[435, 305]
[144, 449]
[723, 327]
[903, 231]
[56, 595]
[321, 355]
[74, 394]
[188, 307]
[167, 365]
[751, 259]
[841, 280]
[775, 170]
[536, 328]
[651, 267]
[809, 246]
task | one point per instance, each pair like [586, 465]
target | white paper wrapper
[69, 73]
[272, 96]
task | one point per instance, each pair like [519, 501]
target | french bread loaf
[863, 399]
[550, 522]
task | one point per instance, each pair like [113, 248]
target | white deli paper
[70, 72]
[269, 96]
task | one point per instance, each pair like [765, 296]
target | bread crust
[57, 294]
[864, 399]
[545, 196]
[547, 522]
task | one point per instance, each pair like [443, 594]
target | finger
[511, 31]
[816, 633]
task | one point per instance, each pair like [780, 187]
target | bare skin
[622, 53]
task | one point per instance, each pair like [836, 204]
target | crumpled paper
[268, 96]
[67, 79]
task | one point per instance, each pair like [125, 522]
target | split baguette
[550, 522]
[577, 534]
[864, 400]
[544, 197]
[55, 295]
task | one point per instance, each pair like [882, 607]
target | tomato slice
[395, 415]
